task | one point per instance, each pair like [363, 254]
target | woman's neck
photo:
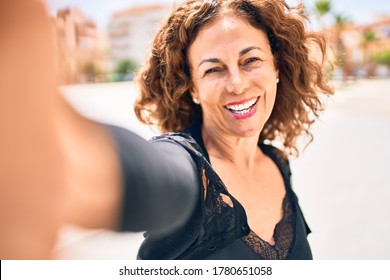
[239, 151]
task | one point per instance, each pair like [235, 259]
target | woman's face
[234, 76]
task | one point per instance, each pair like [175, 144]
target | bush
[382, 58]
[91, 70]
[125, 68]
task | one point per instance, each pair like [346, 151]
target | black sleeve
[160, 182]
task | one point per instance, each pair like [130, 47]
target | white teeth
[242, 108]
[243, 112]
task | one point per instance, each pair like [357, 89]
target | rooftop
[139, 10]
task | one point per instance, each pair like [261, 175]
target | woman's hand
[56, 166]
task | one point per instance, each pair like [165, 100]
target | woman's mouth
[243, 110]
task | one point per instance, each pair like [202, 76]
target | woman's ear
[195, 95]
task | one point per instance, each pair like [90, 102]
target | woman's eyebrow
[212, 60]
[217, 60]
[248, 49]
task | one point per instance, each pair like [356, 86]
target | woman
[228, 77]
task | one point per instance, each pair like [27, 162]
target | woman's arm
[59, 167]
[161, 182]
[31, 163]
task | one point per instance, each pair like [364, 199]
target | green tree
[91, 70]
[341, 55]
[382, 58]
[322, 8]
[369, 36]
[369, 59]
[125, 67]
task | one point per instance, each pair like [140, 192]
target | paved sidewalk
[340, 177]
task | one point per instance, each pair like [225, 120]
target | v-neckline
[197, 135]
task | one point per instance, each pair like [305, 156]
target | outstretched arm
[59, 167]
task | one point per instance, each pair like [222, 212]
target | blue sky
[359, 11]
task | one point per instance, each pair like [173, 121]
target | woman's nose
[236, 82]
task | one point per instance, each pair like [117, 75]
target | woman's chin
[248, 132]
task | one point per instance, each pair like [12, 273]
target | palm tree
[321, 9]
[368, 37]
[340, 49]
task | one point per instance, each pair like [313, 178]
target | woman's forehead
[227, 30]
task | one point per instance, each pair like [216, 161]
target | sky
[100, 11]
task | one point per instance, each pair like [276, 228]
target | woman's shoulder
[271, 149]
[279, 157]
[183, 139]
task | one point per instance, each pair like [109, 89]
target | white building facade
[131, 31]
[79, 43]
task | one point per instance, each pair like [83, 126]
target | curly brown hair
[300, 54]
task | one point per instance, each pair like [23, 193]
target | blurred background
[339, 178]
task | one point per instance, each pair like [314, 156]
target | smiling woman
[235, 76]
[226, 76]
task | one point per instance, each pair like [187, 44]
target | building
[131, 31]
[359, 43]
[81, 46]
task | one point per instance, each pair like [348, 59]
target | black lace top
[218, 226]
[283, 236]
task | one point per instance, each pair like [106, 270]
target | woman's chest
[260, 192]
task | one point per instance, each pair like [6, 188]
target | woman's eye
[252, 60]
[212, 70]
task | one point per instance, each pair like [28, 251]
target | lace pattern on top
[284, 235]
[224, 218]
